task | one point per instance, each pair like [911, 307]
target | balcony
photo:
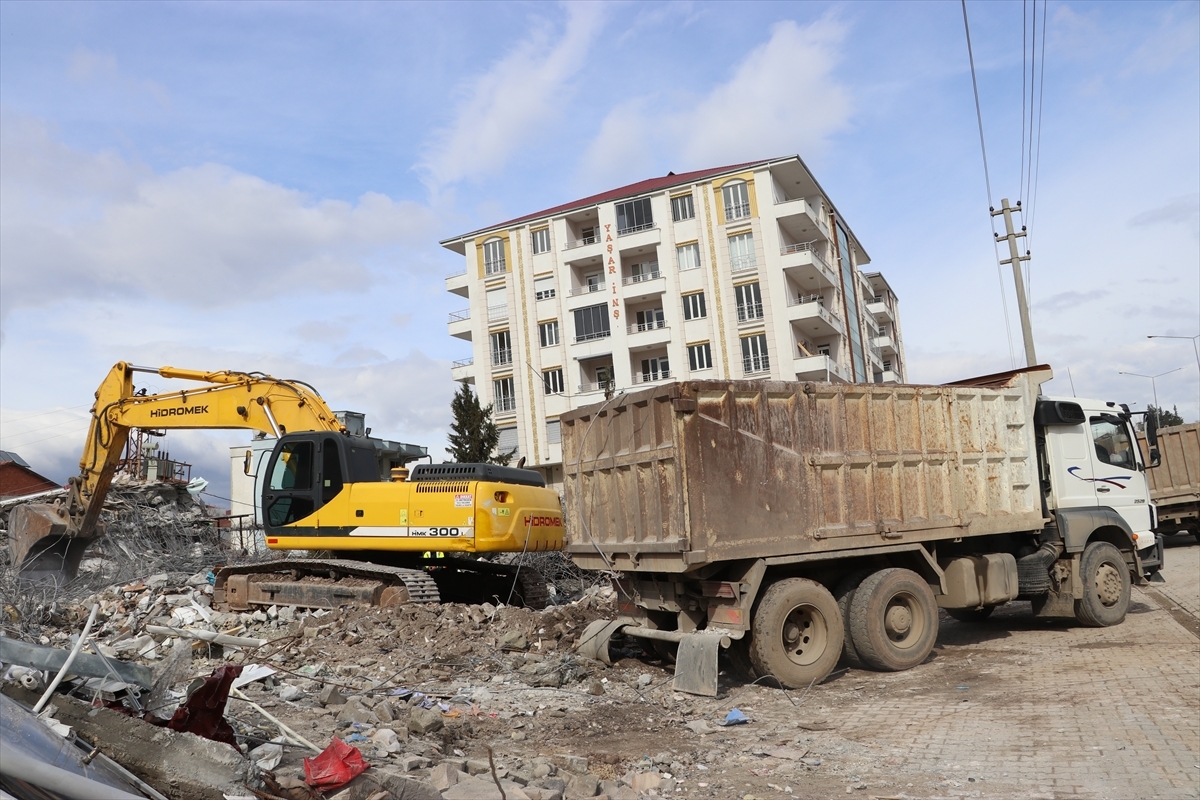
[588, 247]
[592, 337]
[886, 344]
[497, 314]
[803, 263]
[880, 311]
[889, 376]
[644, 335]
[818, 368]
[815, 322]
[457, 284]
[647, 284]
[463, 370]
[742, 263]
[602, 386]
[800, 215]
[651, 377]
[647, 235]
[460, 324]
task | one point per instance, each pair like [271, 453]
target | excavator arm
[48, 541]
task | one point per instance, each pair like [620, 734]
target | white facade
[735, 273]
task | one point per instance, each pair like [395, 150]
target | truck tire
[1106, 586]
[971, 614]
[796, 634]
[893, 620]
[844, 593]
[739, 660]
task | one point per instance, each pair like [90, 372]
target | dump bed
[677, 476]
[1177, 478]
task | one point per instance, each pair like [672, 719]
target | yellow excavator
[413, 538]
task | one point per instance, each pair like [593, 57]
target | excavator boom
[47, 541]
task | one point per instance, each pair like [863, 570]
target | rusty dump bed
[1177, 478]
[681, 475]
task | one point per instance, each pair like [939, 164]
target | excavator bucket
[45, 544]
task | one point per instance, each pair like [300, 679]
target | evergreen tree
[473, 434]
[1165, 418]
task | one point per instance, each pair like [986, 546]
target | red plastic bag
[337, 765]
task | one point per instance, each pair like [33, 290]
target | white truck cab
[1092, 461]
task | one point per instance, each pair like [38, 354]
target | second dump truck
[797, 523]
[1175, 485]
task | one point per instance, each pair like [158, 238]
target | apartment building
[739, 272]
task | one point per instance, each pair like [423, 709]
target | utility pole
[1015, 258]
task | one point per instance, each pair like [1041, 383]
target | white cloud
[74, 224]
[509, 103]
[782, 98]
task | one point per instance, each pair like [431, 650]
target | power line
[1024, 28]
[44, 413]
[988, 181]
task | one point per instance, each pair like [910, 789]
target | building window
[593, 282]
[699, 356]
[688, 255]
[503, 397]
[548, 333]
[493, 256]
[507, 444]
[553, 431]
[749, 302]
[650, 319]
[646, 271]
[543, 288]
[737, 200]
[754, 354]
[552, 379]
[682, 208]
[741, 252]
[693, 306]
[634, 216]
[592, 323]
[887, 365]
[654, 369]
[501, 349]
[541, 241]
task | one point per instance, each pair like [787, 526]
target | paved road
[1023, 708]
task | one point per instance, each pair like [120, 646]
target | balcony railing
[737, 211]
[586, 240]
[749, 312]
[497, 313]
[642, 277]
[458, 274]
[602, 386]
[755, 365]
[493, 267]
[462, 362]
[741, 263]
[645, 226]
[591, 337]
[650, 377]
[501, 358]
[806, 247]
[459, 316]
[801, 299]
[585, 289]
[642, 327]
[505, 405]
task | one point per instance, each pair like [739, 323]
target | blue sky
[262, 186]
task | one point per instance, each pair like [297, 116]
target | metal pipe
[87, 629]
[25, 768]
[667, 636]
[270, 417]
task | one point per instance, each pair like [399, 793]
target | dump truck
[1175, 485]
[415, 538]
[794, 524]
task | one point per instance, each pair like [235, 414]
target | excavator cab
[307, 470]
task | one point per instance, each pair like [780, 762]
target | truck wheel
[844, 593]
[1105, 586]
[893, 620]
[796, 633]
[971, 614]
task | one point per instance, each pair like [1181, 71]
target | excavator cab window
[288, 497]
[331, 469]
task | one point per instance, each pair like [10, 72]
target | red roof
[641, 187]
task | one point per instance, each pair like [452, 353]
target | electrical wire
[1038, 157]
[44, 413]
[1024, 28]
[1012, 357]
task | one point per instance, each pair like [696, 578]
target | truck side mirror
[246, 462]
[1152, 429]
[1155, 458]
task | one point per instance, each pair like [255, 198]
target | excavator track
[321, 583]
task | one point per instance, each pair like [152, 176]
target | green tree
[1165, 418]
[473, 435]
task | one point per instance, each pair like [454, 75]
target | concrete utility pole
[1015, 258]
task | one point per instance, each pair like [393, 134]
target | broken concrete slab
[51, 659]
